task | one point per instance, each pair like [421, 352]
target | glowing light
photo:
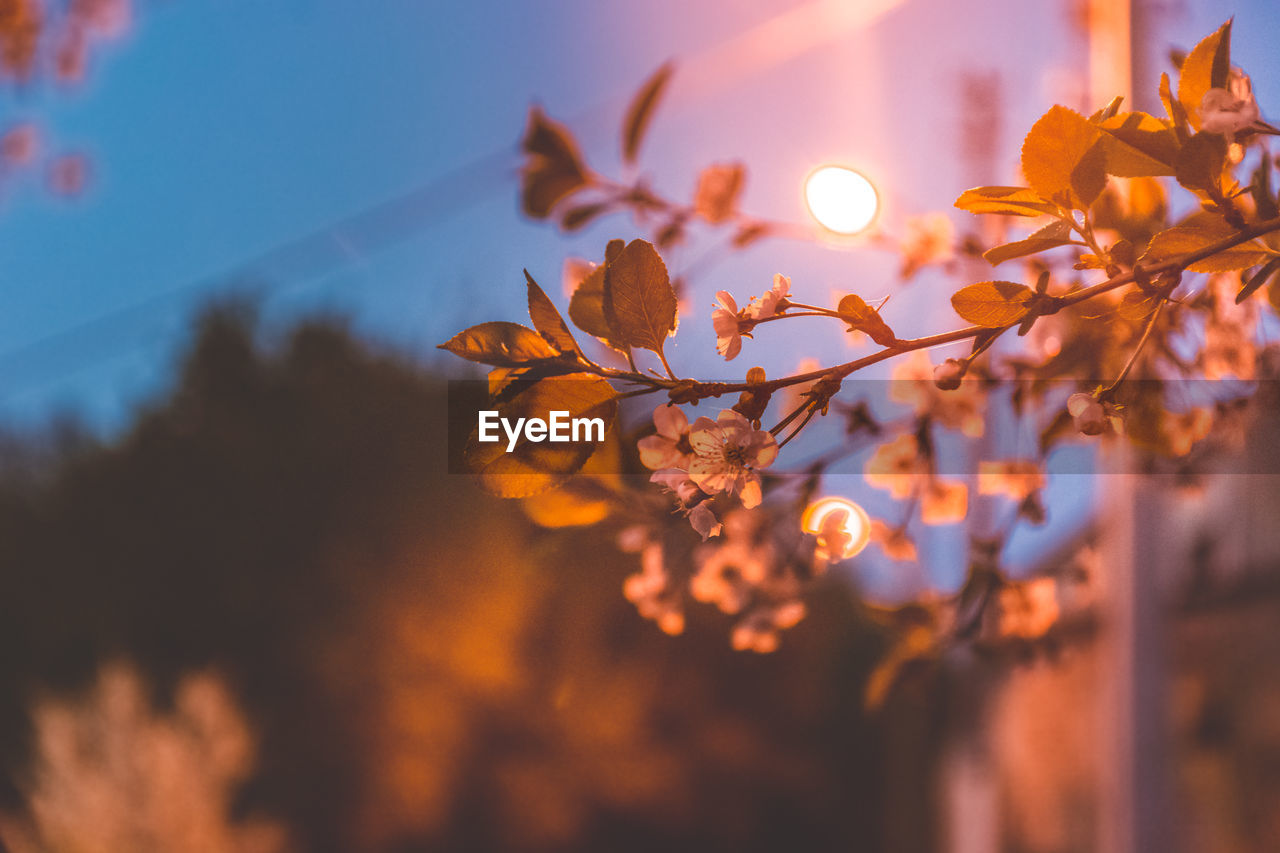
[842, 200]
[842, 516]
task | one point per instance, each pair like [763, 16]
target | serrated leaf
[584, 498]
[533, 467]
[1206, 67]
[992, 303]
[500, 344]
[1139, 145]
[1173, 107]
[1198, 232]
[1064, 160]
[1011, 201]
[639, 302]
[553, 169]
[586, 309]
[640, 112]
[1258, 279]
[547, 319]
[1051, 236]
[1200, 162]
[1111, 109]
[855, 311]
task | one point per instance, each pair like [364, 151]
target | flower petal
[670, 421]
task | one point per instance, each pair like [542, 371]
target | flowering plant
[1168, 299]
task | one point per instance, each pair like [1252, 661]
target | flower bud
[1089, 414]
[947, 375]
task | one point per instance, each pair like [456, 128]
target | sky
[358, 160]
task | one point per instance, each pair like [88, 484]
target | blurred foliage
[422, 666]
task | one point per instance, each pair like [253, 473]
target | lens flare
[840, 199]
[844, 518]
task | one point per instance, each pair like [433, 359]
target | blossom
[1028, 610]
[669, 448]
[893, 541]
[758, 631]
[1182, 430]
[767, 305]
[704, 521]
[929, 239]
[650, 591]
[914, 384]
[1091, 416]
[676, 480]
[947, 376]
[897, 467]
[719, 186]
[1016, 478]
[943, 501]
[728, 573]
[1232, 110]
[726, 453]
[725, 321]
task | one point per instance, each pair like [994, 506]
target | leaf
[863, 318]
[1137, 305]
[1200, 163]
[1012, 201]
[1108, 111]
[586, 310]
[992, 303]
[584, 499]
[1139, 145]
[1258, 279]
[641, 111]
[547, 320]
[1206, 67]
[580, 215]
[1173, 107]
[1196, 233]
[554, 168]
[501, 344]
[1064, 159]
[639, 303]
[1051, 236]
[1263, 199]
[533, 467]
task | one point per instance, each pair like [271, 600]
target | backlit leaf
[553, 169]
[547, 320]
[535, 466]
[501, 344]
[1063, 158]
[1137, 305]
[1198, 232]
[1206, 67]
[1139, 145]
[1012, 201]
[1051, 236]
[860, 316]
[639, 304]
[1200, 162]
[640, 112]
[992, 303]
[1258, 279]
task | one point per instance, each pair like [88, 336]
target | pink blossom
[767, 305]
[726, 453]
[669, 448]
[725, 321]
[704, 521]
[676, 480]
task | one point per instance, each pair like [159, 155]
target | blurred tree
[424, 667]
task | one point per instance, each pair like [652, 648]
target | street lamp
[841, 200]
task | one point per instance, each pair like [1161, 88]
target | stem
[1133, 356]
[839, 371]
[663, 358]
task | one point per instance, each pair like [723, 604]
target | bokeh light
[855, 525]
[841, 200]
